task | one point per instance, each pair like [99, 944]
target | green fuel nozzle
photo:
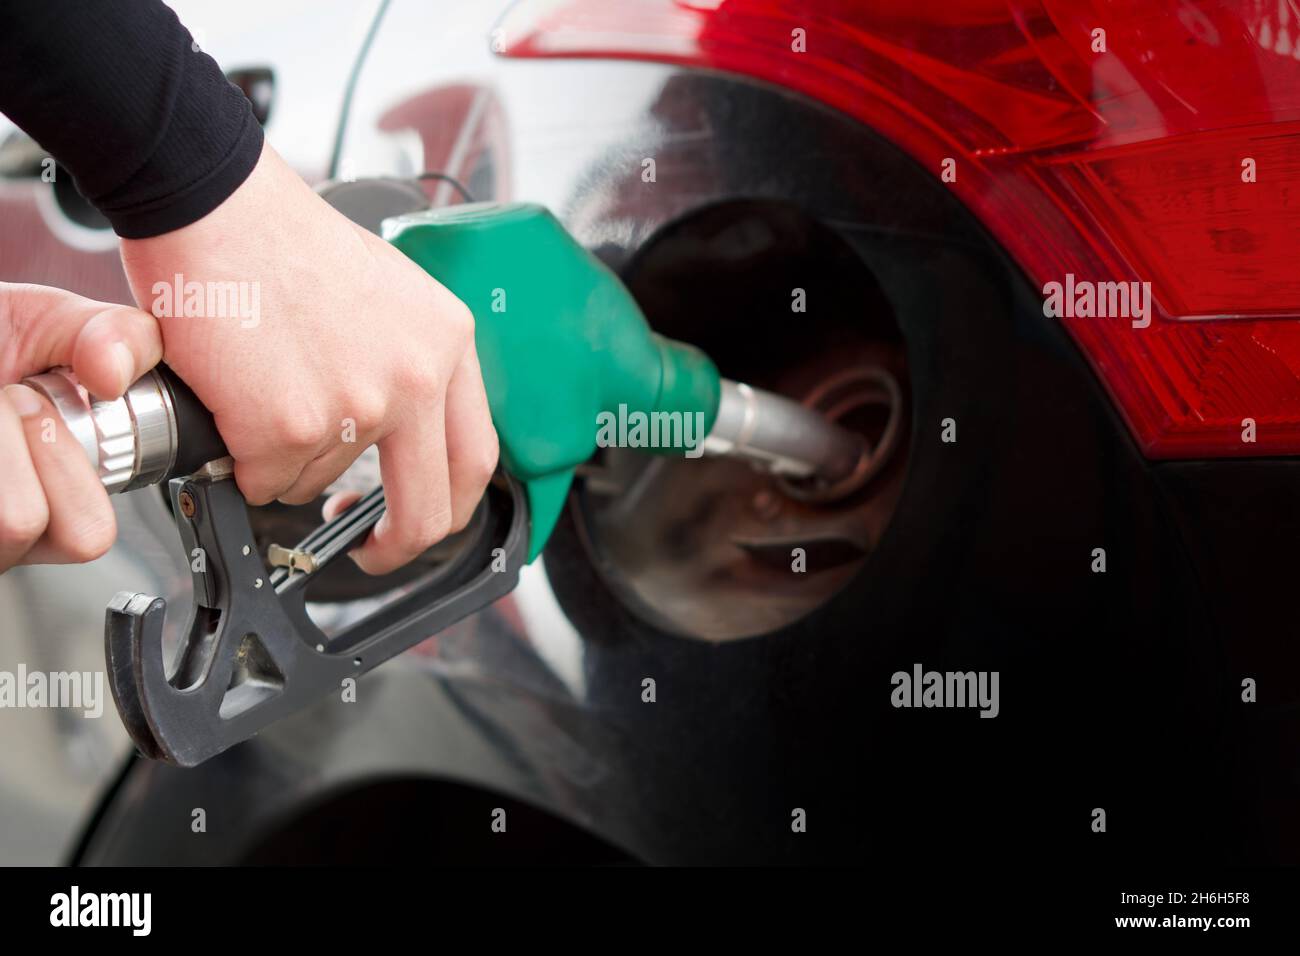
[569, 361]
[561, 342]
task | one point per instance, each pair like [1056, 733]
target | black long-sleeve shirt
[115, 90]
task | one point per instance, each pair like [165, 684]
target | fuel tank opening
[713, 548]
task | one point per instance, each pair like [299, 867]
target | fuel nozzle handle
[156, 431]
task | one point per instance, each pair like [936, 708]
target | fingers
[262, 480]
[339, 502]
[471, 440]
[53, 507]
[23, 513]
[413, 463]
[108, 346]
[269, 474]
[320, 472]
[115, 347]
[79, 521]
[435, 468]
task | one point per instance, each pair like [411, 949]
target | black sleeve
[149, 127]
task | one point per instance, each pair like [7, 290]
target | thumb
[108, 346]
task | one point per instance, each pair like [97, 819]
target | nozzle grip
[197, 439]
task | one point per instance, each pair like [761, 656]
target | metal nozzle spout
[783, 437]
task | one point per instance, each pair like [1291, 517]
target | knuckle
[455, 327]
[411, 373]
[254, 484]
[22, 525]
[462, 321]
[304, 495]
[491, 454]
[482, 462]
[368, 410]
[300, 432]
[312, 488]
[257, 494]
[426, 378]
[428, 530]
[21, 333]
[372, 561]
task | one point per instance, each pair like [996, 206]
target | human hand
[53, 507]
[338, 342]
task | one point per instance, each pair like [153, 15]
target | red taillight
[1128, 164]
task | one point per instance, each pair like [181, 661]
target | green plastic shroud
[567, 356]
